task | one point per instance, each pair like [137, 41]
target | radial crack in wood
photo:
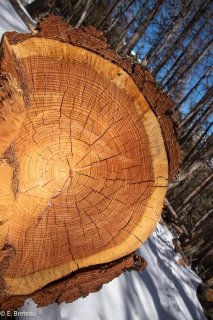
[87, 146]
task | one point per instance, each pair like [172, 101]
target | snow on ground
[164, 291]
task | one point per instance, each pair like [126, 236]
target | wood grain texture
[86, 150]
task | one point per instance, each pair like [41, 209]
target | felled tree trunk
[86, 149]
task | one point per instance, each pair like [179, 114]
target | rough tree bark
[86, 149]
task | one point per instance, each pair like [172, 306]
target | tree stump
[87, 146]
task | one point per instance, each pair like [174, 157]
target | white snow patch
[165, 290]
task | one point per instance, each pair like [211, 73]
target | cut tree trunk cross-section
[87, 146]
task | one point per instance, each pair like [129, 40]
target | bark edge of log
[53, 27]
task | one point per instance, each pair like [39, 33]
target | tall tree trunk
[193, 88]
[194, 111]
[204, 153]
[24, 15]
[68, 10]
[194, 193]
[115, 18]
[197, 124]
[118, 17]
[119, 41]
[190, 66]
[197, 143]
[178, 21]
[201, 220]
[171, 209]
[84, 13]
[185, 175]
[182, 36]
[126, 49]
[187, 48]
[108, 15]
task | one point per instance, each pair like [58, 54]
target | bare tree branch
[24, 15]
